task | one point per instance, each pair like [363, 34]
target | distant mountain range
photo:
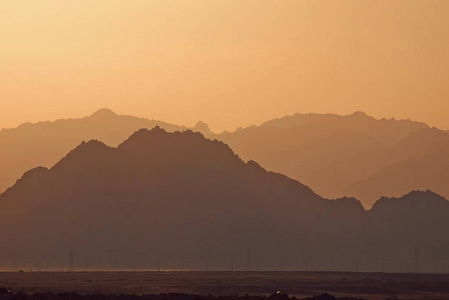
[181, 201]
[44, 143]
[354, 155]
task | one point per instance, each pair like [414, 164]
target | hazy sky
[228, 63]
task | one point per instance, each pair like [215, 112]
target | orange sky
[228, 63]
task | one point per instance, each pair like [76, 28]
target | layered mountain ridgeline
[419, 161]
[354, 155]
[156, 194]
[178, 200]
[44, 143]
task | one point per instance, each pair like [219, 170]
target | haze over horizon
[224, 150]
[108, 111]
[226, 63]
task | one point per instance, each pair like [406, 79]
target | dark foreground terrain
[296, 284]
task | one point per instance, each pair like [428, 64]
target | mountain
[419, 161]
[325, 151]
[355, 155]
[410, 231]
[42, 144]
[203, 128]
[178, 200]
[156, 194]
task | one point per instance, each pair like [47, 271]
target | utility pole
[332, 265]
[232, 263]
[311, 263]
[71, 259]
[248, 259]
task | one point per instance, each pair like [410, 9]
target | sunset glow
[228, 63]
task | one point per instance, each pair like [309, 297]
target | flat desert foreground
[372, 286]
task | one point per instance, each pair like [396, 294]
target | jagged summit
[92, 145]
[157, 136]
[421, 200]
[426, 193]
[417, 194]
[144, 138]
[84, 155]
[104, 113]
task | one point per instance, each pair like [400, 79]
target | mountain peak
[202, 127]
[359, 114]
[104, 113]
[422, 199]
[424, 194]
[143, 135]
[159, 138]
[92, 146]
[83, 154]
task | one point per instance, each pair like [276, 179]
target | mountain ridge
[180, 195]
[335, 155]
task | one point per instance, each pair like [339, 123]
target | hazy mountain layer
[44, 143]
[353, 155]
[178, 200]
[336, 156]
[156, 194]
[419, 161]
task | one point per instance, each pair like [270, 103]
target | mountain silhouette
[325, 151]
[419, 161]
[44, 143]
[155, 184]
[417, 223]
[178, 200]
[202, 128]
[337, 156]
